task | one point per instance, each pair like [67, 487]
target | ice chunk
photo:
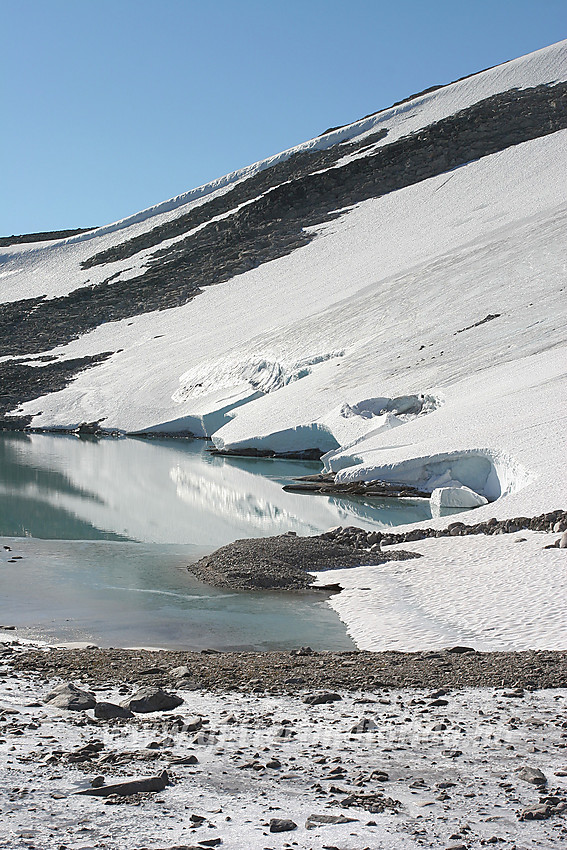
[455, 497]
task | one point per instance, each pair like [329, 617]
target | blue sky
[109, 106]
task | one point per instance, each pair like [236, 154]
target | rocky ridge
[358, 538]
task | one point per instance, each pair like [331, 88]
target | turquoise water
[105, 529]
[137, 594]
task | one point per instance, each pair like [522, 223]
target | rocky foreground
[267, 751]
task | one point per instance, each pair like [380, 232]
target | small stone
[180, 672]
[110, 711]
[364, 725]
[379, 776]
[192, 724]
[321, 698]
[313, 821]
[185, 760]
[285, 732]
[539, 811]
[282, 825]
[204, 738]
[533, 775]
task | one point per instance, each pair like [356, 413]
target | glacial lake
[101, 531]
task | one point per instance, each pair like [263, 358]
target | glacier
[447, 293]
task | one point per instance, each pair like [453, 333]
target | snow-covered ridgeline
[543, 66]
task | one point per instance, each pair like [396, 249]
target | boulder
[110, 711]
[67, 695]
[132, 786]
[152, 699]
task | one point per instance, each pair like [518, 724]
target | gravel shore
[284, 562]
[295, 671]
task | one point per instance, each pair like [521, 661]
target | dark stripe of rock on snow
[281, 563]
[358, 538]
[21, 382]
[42, 236]
[306, 190]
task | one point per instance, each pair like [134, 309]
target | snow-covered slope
[311, 300]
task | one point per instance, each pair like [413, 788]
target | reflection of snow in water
[161, 491]
[197, 490]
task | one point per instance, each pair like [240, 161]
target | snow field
[504, 592]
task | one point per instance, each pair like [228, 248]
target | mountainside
[404, 272]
